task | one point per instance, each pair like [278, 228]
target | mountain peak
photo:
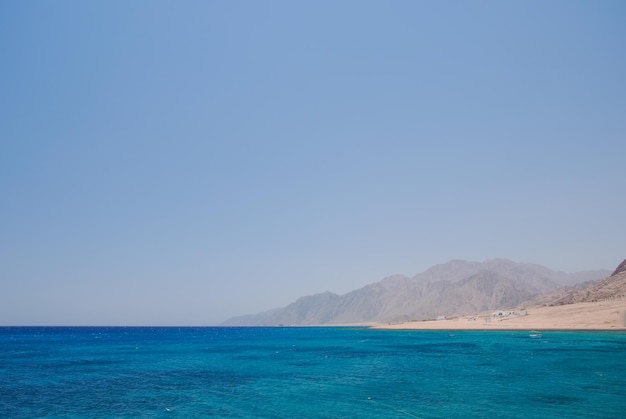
[620, 268]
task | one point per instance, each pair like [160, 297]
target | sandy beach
[609, 315]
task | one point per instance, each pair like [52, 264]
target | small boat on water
[535, 334]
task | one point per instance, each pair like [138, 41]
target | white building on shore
[508, 313]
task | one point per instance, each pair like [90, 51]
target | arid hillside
[450, 289]
[612, 287]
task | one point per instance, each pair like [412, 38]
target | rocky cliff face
[457, 287]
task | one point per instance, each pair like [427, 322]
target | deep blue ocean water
[309, 373]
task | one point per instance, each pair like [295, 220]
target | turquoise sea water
[309, 373]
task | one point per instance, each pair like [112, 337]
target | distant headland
[464, 295]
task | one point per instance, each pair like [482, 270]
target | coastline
[601, 316]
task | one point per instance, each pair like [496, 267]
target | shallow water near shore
[309, 372]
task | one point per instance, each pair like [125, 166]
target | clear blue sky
[183, 162]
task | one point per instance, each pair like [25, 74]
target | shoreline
[596, 316]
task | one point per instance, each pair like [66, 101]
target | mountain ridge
[453, 288]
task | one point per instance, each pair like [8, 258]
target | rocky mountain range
[590, 291]
[454, 288]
